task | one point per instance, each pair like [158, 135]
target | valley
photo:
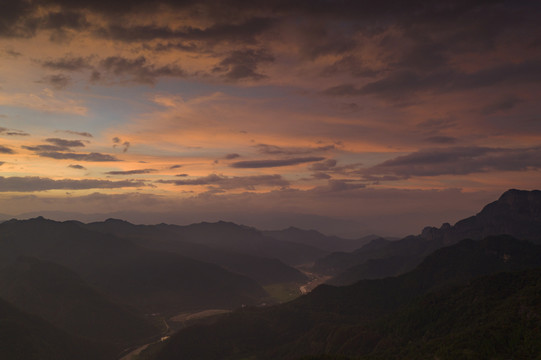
[254, 295]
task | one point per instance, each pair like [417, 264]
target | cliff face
[516, 213]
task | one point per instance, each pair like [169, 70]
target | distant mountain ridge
[148, 279]
[516, 213]
[173, 238]
[226, 236]
[317, 239]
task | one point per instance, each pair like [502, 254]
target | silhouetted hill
[246, 240]
[151, 280]
[330, 318]
[495, 317]
[338, 261]
[170, 238]
[515, 213]
[27, 337]
[317, 239]
[61, 297]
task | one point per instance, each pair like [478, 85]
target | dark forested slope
[333, 319]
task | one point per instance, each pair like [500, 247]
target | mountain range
[93, 290]
[355, 321]
[516, 213]
[111, 284]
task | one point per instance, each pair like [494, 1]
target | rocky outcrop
[516, 213]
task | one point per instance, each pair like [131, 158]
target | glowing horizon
[361, 113]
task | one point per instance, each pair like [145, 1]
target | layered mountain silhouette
[153, 281]
[70, 290]
[317, 239]
[182, 240]
[516, 213]
[355, 320]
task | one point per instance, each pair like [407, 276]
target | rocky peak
[516, 213]
[523, 202]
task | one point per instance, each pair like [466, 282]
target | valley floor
[315, 281]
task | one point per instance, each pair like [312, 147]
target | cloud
[331, 166]
[57, 81]
[503, 104]
[243, 64]
[231, 156]
[351, 65]
[138, 70]
[243, 32]
[59, 145]
[326, 165]
[92, 157]
[321, 176]
[317, 38]
[78, 133]
[12, 19]
[65, 20]
[175, 167]
[131, 172]
[339, 186]
[78, 167]
[11, 132]
[234, 182]
[6, 150]
[118, 142]
[404, 83]
[35, 183]
[456, 161]
[274, 163]
[65, 143]
[278, 150]
[45, 147]
[68, 63]
[12, 53]
[441, 140]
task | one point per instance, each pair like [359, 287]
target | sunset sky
[350, 117]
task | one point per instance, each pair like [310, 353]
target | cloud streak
[254, 164]
[78, 133]
[6, 150]
[91, 157]
[36, 183]
[278, 150]
[233, 182]
[11, 132]
[458, 161]
[138, 70]
[131, 172]
[404, 83]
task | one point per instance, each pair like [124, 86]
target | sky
[350, 117]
